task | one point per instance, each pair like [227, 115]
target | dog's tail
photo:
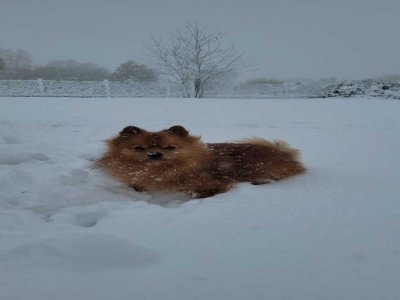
[281, 146]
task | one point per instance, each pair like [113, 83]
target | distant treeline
[18, 64]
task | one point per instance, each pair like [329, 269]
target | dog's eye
[170, 147]
[139, 148]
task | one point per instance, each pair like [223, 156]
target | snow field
[68, 232]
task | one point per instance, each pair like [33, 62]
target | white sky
[286, 38]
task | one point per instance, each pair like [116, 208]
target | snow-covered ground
[67, 232]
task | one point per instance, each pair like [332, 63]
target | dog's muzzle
[154, 155]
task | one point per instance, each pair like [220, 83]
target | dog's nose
[154, 155]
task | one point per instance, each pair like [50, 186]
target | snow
[68, 232]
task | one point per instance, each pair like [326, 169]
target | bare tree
[195, 58]
[173, 62]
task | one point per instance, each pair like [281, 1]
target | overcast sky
[285, 38]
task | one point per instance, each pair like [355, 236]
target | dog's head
[172, 144]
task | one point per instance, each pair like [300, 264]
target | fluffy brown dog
[171, 160]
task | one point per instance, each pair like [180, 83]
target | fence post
[41, 86]
[285, 84]
[107, 87]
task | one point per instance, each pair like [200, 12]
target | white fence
[371, 88]
[52, 88]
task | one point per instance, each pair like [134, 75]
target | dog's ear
[130, 130]
[177, 131]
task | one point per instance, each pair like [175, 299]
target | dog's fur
[172, 160]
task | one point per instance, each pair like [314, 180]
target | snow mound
[19, 158]
[80, 252]
[376, 88]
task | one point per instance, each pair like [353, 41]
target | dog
[172, 160]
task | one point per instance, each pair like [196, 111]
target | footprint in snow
[9, 139]
[75, 177]
[89, 219]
